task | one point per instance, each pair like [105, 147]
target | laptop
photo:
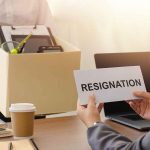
[121, 111]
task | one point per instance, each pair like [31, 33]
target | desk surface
[69, 133]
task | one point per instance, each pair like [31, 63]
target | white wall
[102, 25]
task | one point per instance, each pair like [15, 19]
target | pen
[10, 146]
[21, 49]
[34, 144]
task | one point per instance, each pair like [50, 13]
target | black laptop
[121, 111]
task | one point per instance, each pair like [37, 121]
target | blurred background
[94, 26]
[102, 25]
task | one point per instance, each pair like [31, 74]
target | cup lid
[22, 107]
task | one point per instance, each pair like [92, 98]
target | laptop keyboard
[133, 117]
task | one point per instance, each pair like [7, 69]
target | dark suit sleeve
[102, 137]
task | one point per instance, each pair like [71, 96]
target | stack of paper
[4, 131]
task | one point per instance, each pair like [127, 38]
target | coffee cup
[22, 120]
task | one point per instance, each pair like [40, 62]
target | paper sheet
[109, 84]
[18, 145]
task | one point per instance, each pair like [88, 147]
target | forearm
[102, 137]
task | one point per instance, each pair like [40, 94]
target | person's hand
[141, 106]
[89, 114]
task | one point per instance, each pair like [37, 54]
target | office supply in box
[41, 36]
[44, 79]
[4, 130]
[46, 49]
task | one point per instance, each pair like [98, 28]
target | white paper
[109, 84]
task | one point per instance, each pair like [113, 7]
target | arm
[102, 137]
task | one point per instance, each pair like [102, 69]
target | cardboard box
[44, 79]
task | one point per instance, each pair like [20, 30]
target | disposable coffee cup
[22, 120]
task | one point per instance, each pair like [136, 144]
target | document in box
[109, 84]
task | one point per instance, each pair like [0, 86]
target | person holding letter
[102, 137]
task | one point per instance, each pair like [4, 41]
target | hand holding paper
[109, 84]
[142, 105]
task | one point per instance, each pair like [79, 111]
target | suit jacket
[102, 137]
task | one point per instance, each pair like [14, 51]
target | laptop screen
[106, 60]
